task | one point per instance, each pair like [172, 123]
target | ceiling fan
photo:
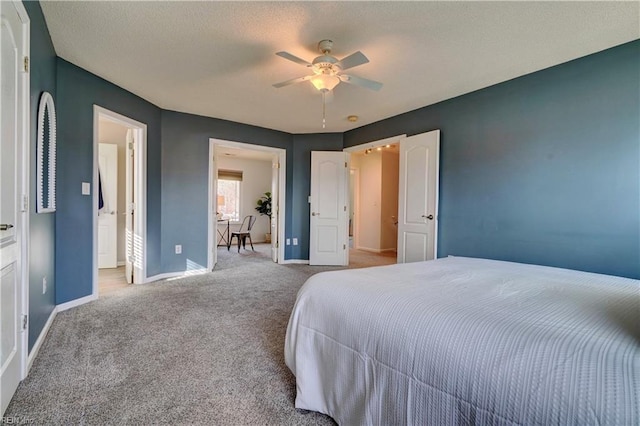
[327, 69]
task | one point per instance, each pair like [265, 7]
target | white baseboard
[373, 250]
[176, 275]
[77, 302]
[369, 249]
[43, 334]
[296, 261]
[45, 330]
[121, 263]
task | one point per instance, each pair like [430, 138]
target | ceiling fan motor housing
[325, 46]
[325, 64]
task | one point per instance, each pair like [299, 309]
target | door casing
[140, 193]
[23, 205]
[398, 139]
[212, 202]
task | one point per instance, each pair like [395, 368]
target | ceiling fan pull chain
[324, 107]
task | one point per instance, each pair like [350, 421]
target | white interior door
[13, 116]
[107, 215]
[328, 206]
[418, 197]
[275, 175]
[130, 207]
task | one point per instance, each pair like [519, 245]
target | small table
[224, 235]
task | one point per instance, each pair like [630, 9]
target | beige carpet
[205, 350]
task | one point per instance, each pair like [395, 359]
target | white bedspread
[467, 341]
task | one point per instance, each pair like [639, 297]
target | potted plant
[264, 208]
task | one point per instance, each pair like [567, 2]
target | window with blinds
[228, 195]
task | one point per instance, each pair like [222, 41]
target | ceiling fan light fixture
[324, 82]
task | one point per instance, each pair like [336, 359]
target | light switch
[86, 188]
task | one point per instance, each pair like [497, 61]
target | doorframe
[23, 182]
[356, 202]
[140, 196]
[358, 148]
[212, 201]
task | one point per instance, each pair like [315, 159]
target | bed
[467, 341]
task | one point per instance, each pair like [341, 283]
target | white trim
[24, 183]
[374, 250]
[295, 262]
[375, 144]
[282, 182]
[140, 171]
[121, 263]
[43, 334]
[437, 206]
[76, 302]
[181, 274]
[212, 208]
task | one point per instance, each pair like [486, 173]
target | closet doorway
[119, 201]
[373, 204]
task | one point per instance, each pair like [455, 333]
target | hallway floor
[111, 279]
[364, 259]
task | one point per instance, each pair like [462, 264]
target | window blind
[230, 174]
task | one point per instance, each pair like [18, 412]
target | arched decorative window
[46, 173]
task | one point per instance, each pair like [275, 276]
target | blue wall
[541, 169]
[185, 180]
[78, 90]
[42, 226]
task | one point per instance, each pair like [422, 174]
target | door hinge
[344, 247]
[25, 321]
[25, 203]
[345, 208]
[276, 165]
[26, 64]
[345, 164]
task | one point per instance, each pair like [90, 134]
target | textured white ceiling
[218, 59]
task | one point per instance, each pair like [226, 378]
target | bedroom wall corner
[42, 226]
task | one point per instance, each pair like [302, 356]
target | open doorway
[119, 201]
[373, 193]
[240, 175]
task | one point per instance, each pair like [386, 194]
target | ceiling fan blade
[359, 81]
[293, 58]
[353, 60]
[292, 81]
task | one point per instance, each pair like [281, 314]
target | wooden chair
[243, 233]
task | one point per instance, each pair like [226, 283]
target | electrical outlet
[178, 249]
[288, 241]
[295, 241]
[44, 285]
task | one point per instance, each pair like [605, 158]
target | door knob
[430, 217]
[315, 214]
[5, 226]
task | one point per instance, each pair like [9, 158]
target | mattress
[467, 341]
